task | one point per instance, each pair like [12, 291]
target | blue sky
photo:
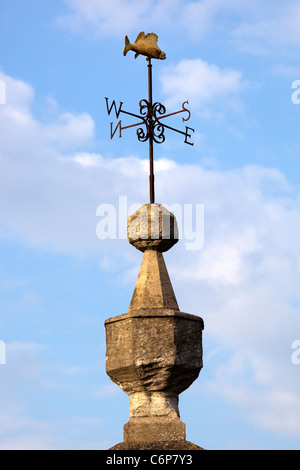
[235, 62]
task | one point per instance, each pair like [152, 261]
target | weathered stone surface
[153, 404]
[153, 288]
[153, 429]
[157, 445]
[152, 227]
[154, 351]
[154, 355]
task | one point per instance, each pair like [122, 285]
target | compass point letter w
[113, 105]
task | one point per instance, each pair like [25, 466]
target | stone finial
[152, 227]
[154, 352]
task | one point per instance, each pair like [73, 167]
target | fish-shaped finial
[145, 45]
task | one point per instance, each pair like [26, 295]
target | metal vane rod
[151, 176]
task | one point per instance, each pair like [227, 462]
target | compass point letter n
[112, 133]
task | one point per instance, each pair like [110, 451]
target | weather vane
[151, 113]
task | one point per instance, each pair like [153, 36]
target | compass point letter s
[185, 109]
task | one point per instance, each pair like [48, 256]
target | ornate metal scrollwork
[145, 109]
[142, 135]
[154, 127]
[158, 132]
[158, 108]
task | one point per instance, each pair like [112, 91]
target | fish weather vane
[151, 113]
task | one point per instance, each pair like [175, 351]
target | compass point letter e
[187, 135]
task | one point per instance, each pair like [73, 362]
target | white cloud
[200, 17]
[100, 17]
[254, 26]
[23, 376]
[20, 432]
[70, 129]
[201, 83]
[251, 26]
[271, 405]
[18, 93]
[34, 164]
[276, 27]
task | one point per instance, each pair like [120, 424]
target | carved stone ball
[152, 227]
